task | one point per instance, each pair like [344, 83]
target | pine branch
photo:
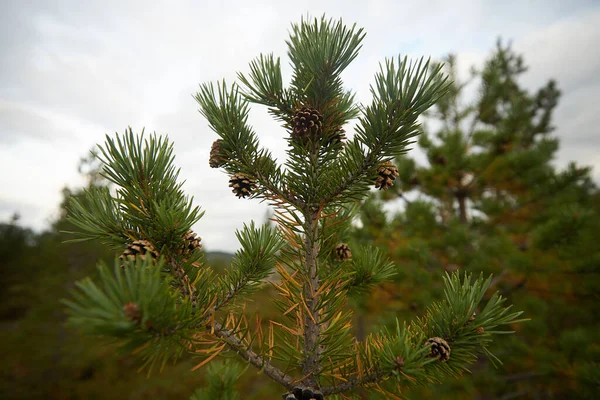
[247, 354]
[310, 365]
[401, 93]
[250, 265]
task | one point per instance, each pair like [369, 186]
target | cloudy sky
[72, 71]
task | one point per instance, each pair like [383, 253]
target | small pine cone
[399, 362]
[387, 173]
[307, 124]
[480, 329]
[216, 158]
[132, 312]
[242, 184]
[439, 349]
[343, 252]
[139, 249]
[191, 243]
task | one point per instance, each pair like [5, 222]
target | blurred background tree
[489, 199]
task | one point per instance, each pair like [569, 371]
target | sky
[73, 71]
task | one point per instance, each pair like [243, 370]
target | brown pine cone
[216, 159]
[399, 362]
[243, 185]
[132, 312]
[343, 252]
[439, 349]
[307, 124]
[387, 174]
[191, 243]
[139, 249]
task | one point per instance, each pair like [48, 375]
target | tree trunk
[462, 208]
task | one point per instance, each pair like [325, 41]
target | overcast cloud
[72, 71]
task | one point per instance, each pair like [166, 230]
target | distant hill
[219, 260]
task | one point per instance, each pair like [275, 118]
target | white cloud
[78, 70]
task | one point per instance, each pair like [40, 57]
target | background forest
[480, 194]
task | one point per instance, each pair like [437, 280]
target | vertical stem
[462, 207]
[311, 319]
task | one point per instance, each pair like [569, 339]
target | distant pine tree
[489, 199]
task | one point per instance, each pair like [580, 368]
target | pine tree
[161, 306]
[489, 198]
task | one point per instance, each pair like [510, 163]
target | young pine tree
[162, 299]
[489, 198]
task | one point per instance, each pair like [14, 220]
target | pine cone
[307, 394]
[242, 184]
[191, 243]
[387, 173]
[343, 252]
[139, 249]
[303, 394]
[399, 362]
[439, 349]
[132, 312]
[216, 158]
[307, 124]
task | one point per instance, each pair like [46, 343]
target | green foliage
[449, 319]
[253, 263]
[369, 267]
[159, 328]
[149, 201]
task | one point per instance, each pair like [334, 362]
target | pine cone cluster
[139, 249]
[303, 394]
[387, 174]
[342, 251]
[307, 124]
[243, 185]
[439, 349]
[216, 159]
